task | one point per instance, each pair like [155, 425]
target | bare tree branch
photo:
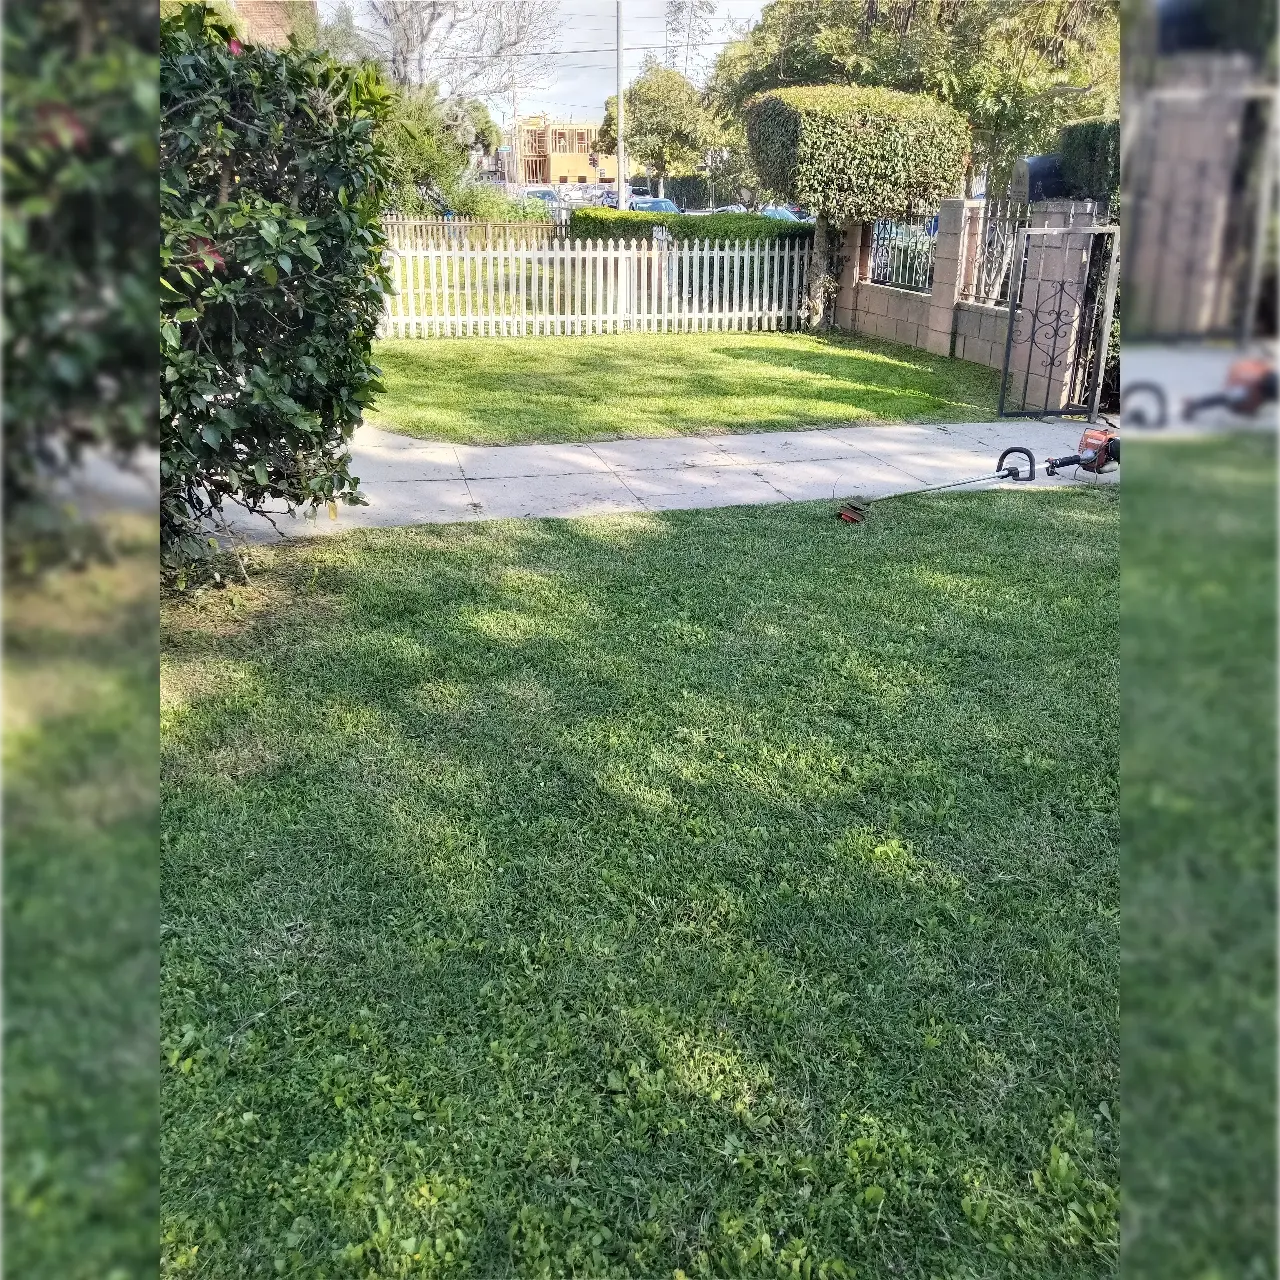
[468, 48]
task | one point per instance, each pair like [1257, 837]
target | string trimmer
[1098, 453]
[855, 512]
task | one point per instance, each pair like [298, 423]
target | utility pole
[515, 139]
[624, 194]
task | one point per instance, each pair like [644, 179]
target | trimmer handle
[1013, 473]
[1053, 465]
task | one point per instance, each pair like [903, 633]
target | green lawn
[521, 390]
[723, 892]
[1199, 858]
[81, 964]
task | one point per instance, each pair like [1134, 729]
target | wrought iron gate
[1061, 355]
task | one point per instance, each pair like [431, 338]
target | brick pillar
[948, 272]
[855, 254]
[974, 215]
[1176, 280]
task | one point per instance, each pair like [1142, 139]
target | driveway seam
[477, 508]
[618, 477]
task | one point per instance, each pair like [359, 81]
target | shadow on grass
[81, 945]
[1199, 857]
[609, 894]
[489, 391]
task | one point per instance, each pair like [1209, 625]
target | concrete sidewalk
[1185, 371]
[410, 481]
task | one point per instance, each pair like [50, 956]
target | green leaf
[187, 313]
[260, 472]
[286, 263]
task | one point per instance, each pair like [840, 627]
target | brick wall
[939, 321]
[980, 333]
[897, 314]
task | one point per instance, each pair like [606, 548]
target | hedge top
[845, 152]
[609, 224]
[1089, 152]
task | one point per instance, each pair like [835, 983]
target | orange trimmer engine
[1098, 449]
[1247, 380]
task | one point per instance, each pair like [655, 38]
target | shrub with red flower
[271, 274]
[59, 127]
[204, 249]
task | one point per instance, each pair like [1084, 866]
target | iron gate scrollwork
[1061, 348]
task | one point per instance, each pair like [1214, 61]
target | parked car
[780, 212]
[647, 204]
[731, 208]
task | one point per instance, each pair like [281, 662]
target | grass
[727, 892]
[524, 390]
[1199, 822]
[80, 900]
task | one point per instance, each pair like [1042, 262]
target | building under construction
[550, 152]
[272, 21]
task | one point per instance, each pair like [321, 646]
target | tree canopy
[1016, 71]
[667, 127]
[428, 140]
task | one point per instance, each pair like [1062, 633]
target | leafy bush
[1089, 154]
[272, 178]
[485, 202]
[428, 142]
[80, 241]
[690, 190]
[857, 153]
[609, 224]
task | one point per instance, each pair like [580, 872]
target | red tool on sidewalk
[1250, 384]
[1097, 452]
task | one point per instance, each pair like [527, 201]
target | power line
[562, 53]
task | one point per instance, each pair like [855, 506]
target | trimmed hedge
[271, 275]
[690, 190]
[844, 152]
[1089, 154]
[609, 224]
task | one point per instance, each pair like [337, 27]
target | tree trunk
[819, 273]
[661, 186]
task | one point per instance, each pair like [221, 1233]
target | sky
[578, 83]
[580, 59]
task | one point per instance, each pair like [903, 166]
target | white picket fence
[430, 233]
[515, 289]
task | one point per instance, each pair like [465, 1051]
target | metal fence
[991, 243]
[902, 253]
[991, 235]
[515, 289]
